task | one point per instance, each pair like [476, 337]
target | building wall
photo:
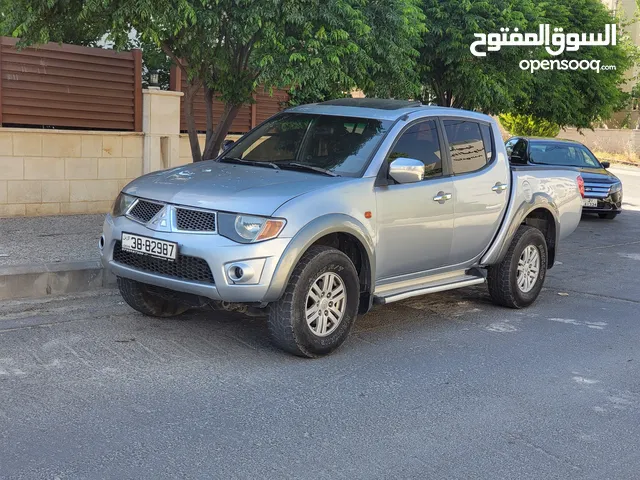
[48, 172]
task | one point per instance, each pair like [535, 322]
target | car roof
[548, 140]
[381, 109]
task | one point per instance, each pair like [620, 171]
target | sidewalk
[50, 255]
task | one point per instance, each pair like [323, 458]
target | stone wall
[49, 172]
[618, 141]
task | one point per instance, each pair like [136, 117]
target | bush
[525, 125]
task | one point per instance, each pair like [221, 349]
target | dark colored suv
[602, 189]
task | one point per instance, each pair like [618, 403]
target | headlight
[249, 228]
[616, 187]
[122, 204]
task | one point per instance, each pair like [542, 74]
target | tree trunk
[213, 146]
[208, 103]
[189, 96]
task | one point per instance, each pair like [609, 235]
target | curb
[44, 279]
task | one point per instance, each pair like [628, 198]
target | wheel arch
[542, 213]
[335, 230]
[544, 220]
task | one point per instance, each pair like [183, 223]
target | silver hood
[228, 187]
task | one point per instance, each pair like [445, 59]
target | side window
[420, 141]
[470, 144]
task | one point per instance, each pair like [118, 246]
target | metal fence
[266, 104]
[68, 86]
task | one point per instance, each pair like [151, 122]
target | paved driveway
[443, 386]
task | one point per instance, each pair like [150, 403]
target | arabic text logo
[555, 43]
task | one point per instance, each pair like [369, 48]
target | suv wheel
[150, 300]
[517, 280]
[608, 216]
[319, 306]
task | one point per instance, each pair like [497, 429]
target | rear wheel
[608, 216]
[150, 300]
[319, 306]
[517, 280]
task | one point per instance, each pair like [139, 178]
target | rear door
[481, 179]
[415, 220]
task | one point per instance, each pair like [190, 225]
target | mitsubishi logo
[161, 220]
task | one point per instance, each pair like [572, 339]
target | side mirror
[227, 144]
[605, 164]
[406, 170]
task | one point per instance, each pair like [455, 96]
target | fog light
[101, 242]
[240, 272]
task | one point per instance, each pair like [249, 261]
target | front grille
[183, 267]
[195, 220]
[144, 211]
[597, 190]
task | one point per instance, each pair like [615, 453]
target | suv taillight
[581, 185]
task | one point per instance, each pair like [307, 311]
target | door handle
[442, 197]
[499, 187]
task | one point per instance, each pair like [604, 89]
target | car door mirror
[406, 170]
[605, 164]
[226, 145]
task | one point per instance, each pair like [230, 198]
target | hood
[597, 175]
[228, 187]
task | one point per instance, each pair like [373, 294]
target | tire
[502, 278]
[608, 216]
[288, 325]
[150, 300]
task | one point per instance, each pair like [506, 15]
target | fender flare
[307, 236]
[513, 220]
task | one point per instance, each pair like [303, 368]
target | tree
[450, 75]
[578, 97]
[229, 47]
[526, 125]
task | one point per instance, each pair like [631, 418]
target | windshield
[313, 143]
[565, 154]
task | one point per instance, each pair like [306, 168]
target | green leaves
[526, 125]
[494, 84]
[322, 49]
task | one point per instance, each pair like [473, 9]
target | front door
[481, 187]
[415, 220]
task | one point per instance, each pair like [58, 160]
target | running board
[460, 283]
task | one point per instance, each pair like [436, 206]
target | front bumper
[216, 250]
[610, 204]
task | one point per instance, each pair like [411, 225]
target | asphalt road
[443, 386]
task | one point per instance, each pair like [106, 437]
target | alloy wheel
[326, 304]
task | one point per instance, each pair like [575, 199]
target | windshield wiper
[311, 168]
[253, 163]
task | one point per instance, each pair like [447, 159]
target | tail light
[581, 185]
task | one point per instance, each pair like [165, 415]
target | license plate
[589, 202]
[149, 246]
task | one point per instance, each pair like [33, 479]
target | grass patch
[619, 158]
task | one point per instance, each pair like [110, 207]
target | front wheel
[319, 305]
[608, 216]
[517, 280]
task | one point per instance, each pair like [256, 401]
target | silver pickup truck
[326, 209]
